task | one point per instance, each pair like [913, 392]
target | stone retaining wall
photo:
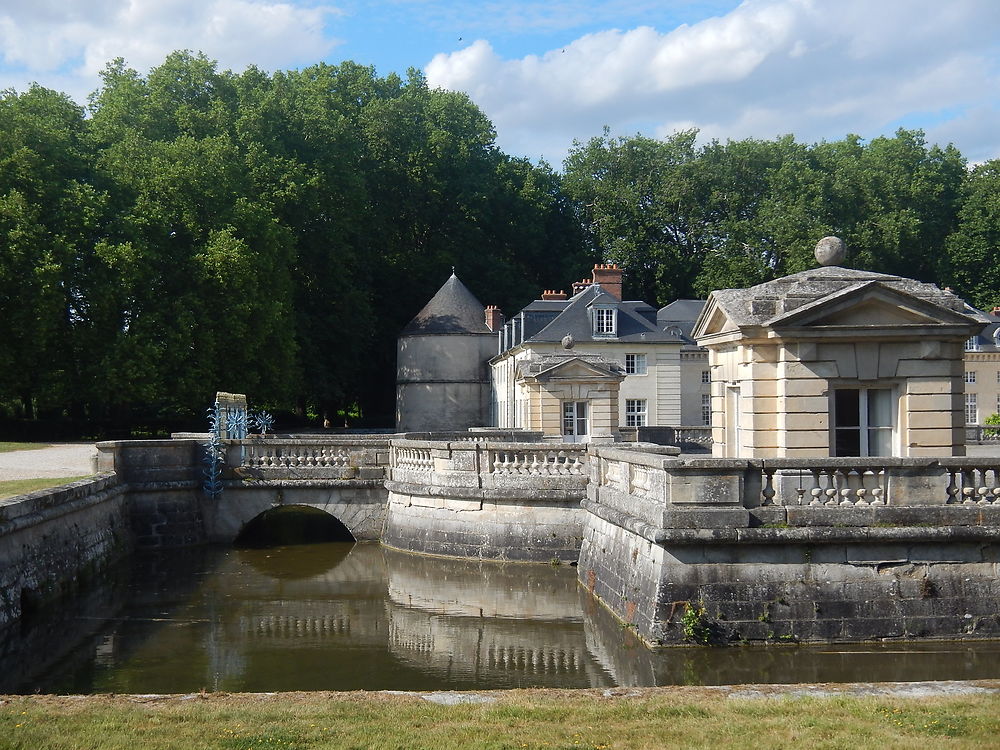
[839, 551]
[51, 539]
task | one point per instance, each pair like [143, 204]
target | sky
[547, 73]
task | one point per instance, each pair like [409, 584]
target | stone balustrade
[664, 492]
[486, 499]
[327, 457]
[488, 465]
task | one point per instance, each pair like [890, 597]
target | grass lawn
[544, 719]
[7, 447]
[13, 487]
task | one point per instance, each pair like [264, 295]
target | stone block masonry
[825, 549]
[52, 539]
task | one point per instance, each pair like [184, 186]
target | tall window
[971, 409]
[706, 376]
[605, 321]
[972, 344]
[970, 376]
[575, 418]
[862, 421]
[706, 409]
[635, 412]
[635, 364]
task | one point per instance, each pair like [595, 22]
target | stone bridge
[791, 549]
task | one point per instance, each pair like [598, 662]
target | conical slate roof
[454, 309]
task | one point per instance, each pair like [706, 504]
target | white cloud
[809, 67]
[68, 43]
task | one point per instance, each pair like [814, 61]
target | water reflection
[349, 617]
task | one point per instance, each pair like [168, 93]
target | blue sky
[549, 72]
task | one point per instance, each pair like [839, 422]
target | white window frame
[635, 412]
[706, 376]
[605, 321]
[706, 409]
[575, 420]
[635, 364]
[970, 376]
[971, 409]
[864, 428]
[972, 344]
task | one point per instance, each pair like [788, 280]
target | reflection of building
[837, 362]
[485, 622]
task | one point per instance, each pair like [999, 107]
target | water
[346, 616]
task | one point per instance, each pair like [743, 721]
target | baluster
[816, 491]
[847, 494]
[968, 486]
[534, 467]
[768, 492]
[953, 486]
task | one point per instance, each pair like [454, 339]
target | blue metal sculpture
[214, 453]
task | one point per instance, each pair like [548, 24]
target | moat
[343, 616]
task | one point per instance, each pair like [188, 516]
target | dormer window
[605, 321]
[972, 344]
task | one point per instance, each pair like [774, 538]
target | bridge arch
[292, 524]
[361, 509]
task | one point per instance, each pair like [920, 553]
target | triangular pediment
[712, 320]
[869, 305]
[571, 369]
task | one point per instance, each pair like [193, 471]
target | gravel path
[59, 460]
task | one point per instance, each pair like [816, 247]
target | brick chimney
[494, 318]
[609, 276]
[553, 294]
[579, 286]
[995, 311]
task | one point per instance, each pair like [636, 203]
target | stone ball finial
[830, 251]
[567, 341]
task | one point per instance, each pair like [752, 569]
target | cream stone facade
[628, 367]
[982, 372]
[837, 362]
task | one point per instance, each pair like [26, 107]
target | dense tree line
[195, 230]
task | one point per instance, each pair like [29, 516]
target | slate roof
[544, 322]
[453, 310]
[761, 304]
[989, 337]
[681, 313]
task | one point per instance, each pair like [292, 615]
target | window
[574, 418]
[971, 409]
[970, 376]
[998, 376]
[862, 421]
[706, 376]
[706, 409]
[972, 344]
[635, 412]
[605, 321]
[635, 364]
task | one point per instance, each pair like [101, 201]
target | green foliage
[696, 626]
[684, 220]
[268, 234]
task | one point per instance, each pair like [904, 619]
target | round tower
[442, 376]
